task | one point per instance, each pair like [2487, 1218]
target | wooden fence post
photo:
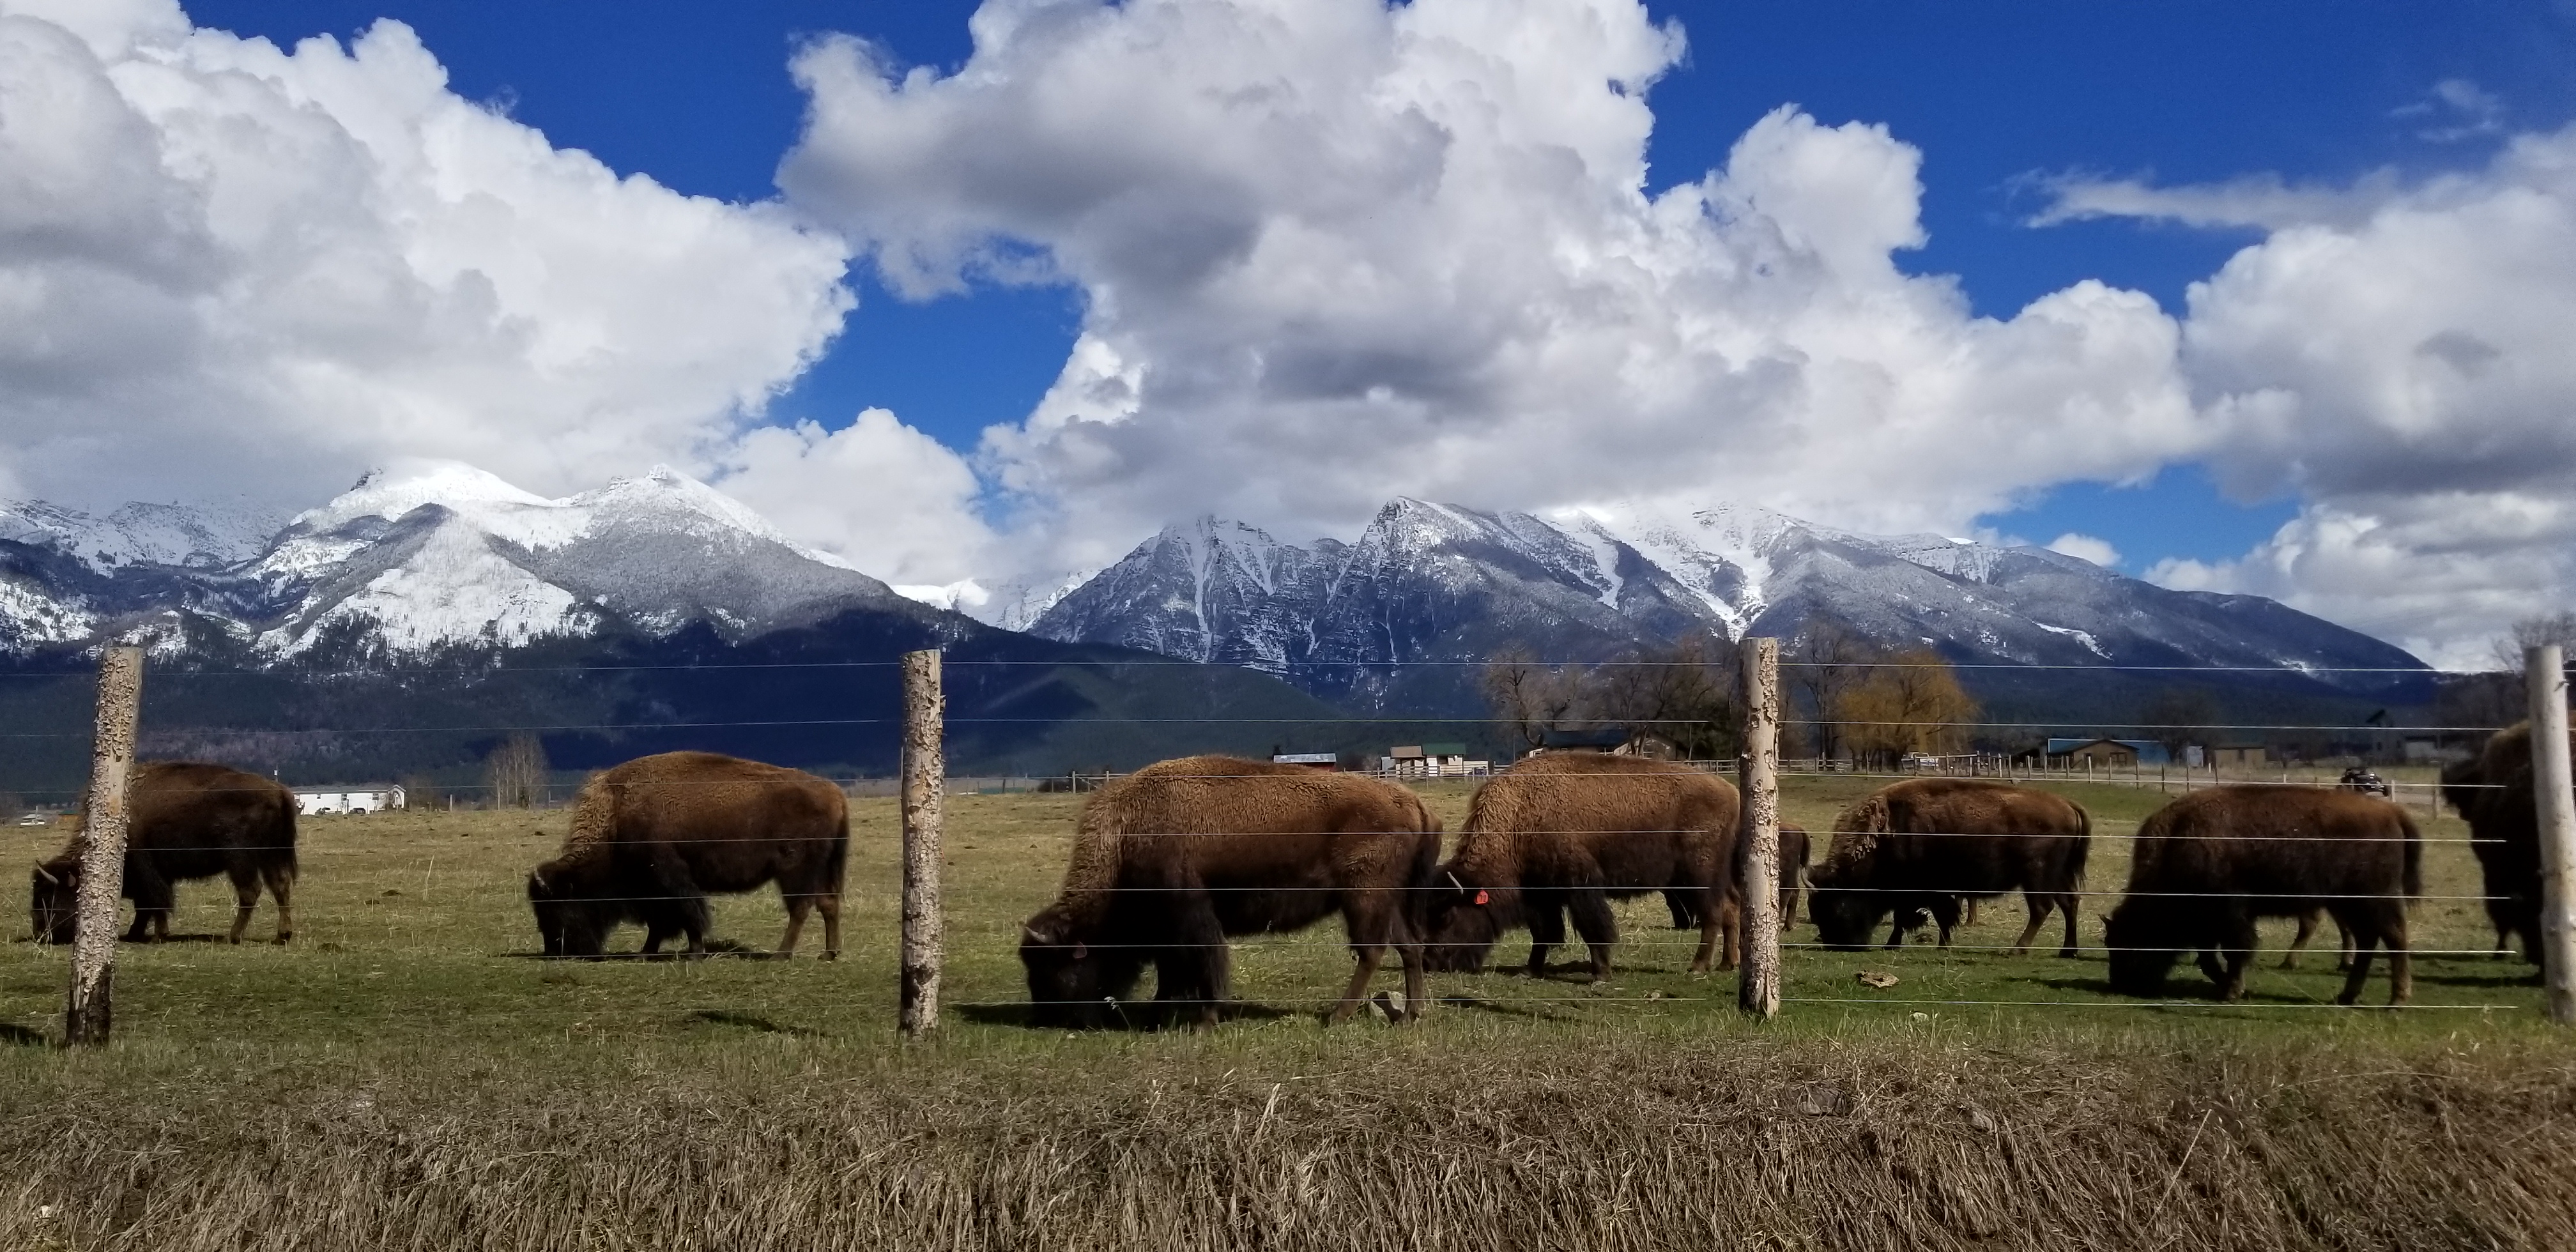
[102, 843]
[1758, 988]
[2545, 675]
[925, 784]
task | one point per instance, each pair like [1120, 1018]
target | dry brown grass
[1616, 1143]
[402, 1078]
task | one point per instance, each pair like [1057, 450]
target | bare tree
[2532, 632]
[2496, 698]
[516, 771]
[1912, 702]
[2178, 717]
[1528, 699]
[1686, 693]
[1826, 660]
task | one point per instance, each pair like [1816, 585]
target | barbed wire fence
[922, 783]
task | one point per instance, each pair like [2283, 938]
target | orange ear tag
[1480, 897]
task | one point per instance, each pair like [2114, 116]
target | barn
[370, 798]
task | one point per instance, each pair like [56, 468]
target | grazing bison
[1923, 845]
[2493, 792]
[2208, 864]
[185, 821]
[1569, 833]
[1170, 860]
[653, 836]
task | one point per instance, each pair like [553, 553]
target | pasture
[406, 1074]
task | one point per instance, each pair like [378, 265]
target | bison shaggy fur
[1926, 844]
[1171, 860]
[185, 821]
[650, 838]
[2493, 792]
[1569, 832]
[2208, 864]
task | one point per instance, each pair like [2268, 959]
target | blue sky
[699, 97]
[2264, 298]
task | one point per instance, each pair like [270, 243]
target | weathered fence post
[2545, 674]
[102, 843]
[925, 784]
[1758, 990]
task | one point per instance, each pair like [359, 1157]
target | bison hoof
[286, 938]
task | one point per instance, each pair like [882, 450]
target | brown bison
[1170, 860]
[186, 821]
[653, 836]
[2493, 792]
[1793, 880]
[1926, 844]
[2208, 864]
[1568, 833]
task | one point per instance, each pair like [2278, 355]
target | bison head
[1463, 919]
[53, 900]
[564, 923]
[1845, 919]
[1069, 982]
[2141, 940]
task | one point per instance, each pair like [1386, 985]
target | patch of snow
[2082, 637]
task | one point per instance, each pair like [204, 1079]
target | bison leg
[797, 908]
[830, 905]
[245, 903]
[1945, 914]
[1972, 919]
[281, 888]
[1600, 931]
[2381, 924]
[1731, 928]
[1197, 954]
[1683, 902]
[2299, 942]
[2039, 906]
[1547, 927]
[2239, 951]
[2066, 907]
[1374, 923]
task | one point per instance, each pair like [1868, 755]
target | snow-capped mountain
[1431, 582]
[436, 554]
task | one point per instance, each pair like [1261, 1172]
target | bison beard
[1566, 834]
[1172, 859]
[188, 821]
[1927, 845]
[2210, 863]
[653, 836]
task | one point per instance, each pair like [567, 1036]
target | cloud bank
[1335, 252]
[231, 269]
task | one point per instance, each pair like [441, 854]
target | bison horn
[40, 873]
[1036, 935]
[1454, 884]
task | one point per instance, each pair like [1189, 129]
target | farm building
[2122, 753]
[1431, 760]
[2240, 755]
[373, 798]
[1614, 740]
[1311, 760]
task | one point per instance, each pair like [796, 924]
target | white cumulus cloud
[2403, 368]
[2086, 548]
[1335, 251]
[230, 268]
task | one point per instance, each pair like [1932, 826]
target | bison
[186, 821]
[1684, 904]
[650, 838]
[2493, 792]
[1569, 833]
[1925, 844]
[2208, 864]
[1171, 860]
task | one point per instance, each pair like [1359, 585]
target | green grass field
[407, 1074]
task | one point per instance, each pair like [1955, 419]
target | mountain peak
[391, 491]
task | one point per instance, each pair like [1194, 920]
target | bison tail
[2083, 850]
[2414, 856]
[837, 863]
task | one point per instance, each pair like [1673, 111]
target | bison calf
[1684, 904]
[1172, 859]
[186, 821]
[1924, 845]
[653, 836]
[1568, 833]
[2207, 865]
